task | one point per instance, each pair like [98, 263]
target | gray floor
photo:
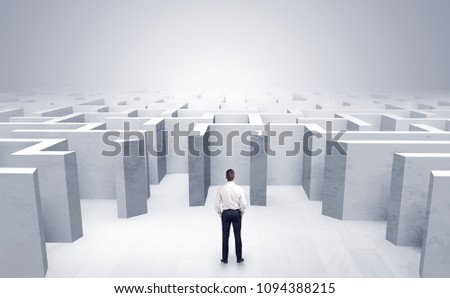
[288, 238]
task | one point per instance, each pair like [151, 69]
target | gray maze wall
[389, 165]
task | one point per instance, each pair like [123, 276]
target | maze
[365, 156]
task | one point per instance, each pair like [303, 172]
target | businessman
[230, 205]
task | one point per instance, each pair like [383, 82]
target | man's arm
[242, 202]
[218, 203]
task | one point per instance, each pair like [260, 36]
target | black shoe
[240, 260]
[224, 261]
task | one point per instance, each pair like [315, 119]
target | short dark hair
[230, 175]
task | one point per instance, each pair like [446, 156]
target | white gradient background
[325, 43]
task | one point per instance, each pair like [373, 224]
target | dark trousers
[231, 217]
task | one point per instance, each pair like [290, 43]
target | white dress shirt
[230, 196]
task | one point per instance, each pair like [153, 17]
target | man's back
[230, 196]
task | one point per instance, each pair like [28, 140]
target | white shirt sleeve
[242, 202]
[218, 203]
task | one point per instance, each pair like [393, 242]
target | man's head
[230, 175]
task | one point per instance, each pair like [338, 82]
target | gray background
[351, 43]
